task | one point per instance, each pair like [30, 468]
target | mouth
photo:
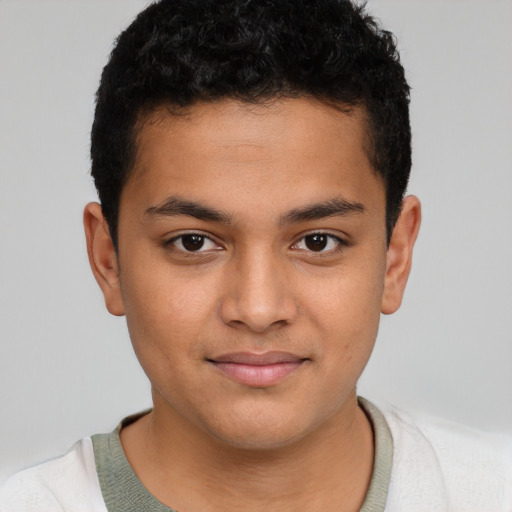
[258, 370]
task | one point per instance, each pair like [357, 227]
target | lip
[258, 370]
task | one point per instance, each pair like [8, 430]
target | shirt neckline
[123, 491]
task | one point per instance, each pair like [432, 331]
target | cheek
[165, 312]
[346, 310]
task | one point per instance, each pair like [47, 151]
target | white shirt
[437, 466]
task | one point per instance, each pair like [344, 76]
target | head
[251, 158]
[180, 52]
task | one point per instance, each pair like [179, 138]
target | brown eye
[316, 242]
[320, 243]
[192, 242]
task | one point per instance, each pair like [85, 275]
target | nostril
[257, 319]
[257, 295]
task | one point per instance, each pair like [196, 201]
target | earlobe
[103, 257]
[399, 254]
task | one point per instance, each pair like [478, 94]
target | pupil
[316, 242]
[192, 242]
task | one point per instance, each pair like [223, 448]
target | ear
[399, 254]
[103, 257]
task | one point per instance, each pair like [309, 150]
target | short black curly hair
[178, 52]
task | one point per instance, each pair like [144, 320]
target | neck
[328, 469]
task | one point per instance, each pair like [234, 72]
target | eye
[193, 242]
[319, 242]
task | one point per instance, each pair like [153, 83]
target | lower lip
[258, 375]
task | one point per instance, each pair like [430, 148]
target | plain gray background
[66, 366]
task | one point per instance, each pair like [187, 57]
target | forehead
[229, 122]
[296, 150]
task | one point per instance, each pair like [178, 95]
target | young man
[251, 160]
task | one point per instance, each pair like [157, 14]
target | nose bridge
[258, 295]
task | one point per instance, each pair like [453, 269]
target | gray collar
[123, 491]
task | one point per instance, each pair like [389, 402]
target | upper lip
[255, 359]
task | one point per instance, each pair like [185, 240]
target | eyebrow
[333, 207]
[176, 206]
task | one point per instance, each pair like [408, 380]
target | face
[252, 266]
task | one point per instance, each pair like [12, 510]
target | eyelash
[340, 243]
[183, 250]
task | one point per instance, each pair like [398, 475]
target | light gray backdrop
[66, 366]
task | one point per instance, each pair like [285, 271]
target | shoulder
[468, 469]
[67, 483]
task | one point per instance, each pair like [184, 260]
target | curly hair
[178, 52]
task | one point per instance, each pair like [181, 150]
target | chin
[260, 431]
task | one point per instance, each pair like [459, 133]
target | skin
[281, 269]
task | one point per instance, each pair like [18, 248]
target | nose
[258, 294]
